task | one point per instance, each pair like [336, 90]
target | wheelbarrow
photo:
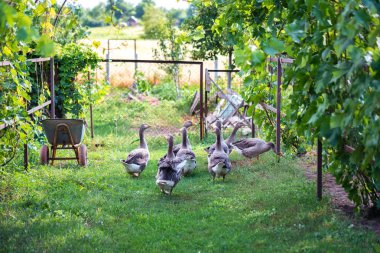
[64, 134]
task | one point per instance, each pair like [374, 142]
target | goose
[187, 156]
[219, 165]
[167, 176]
[231, 138]
[211, 148]
[253, 147]
[138, 158]
[177, 147]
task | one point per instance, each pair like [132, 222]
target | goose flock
[180, 160]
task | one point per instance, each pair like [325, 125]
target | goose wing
[256, 150]
[186, 154]
[212, 148]
[176, 148]
[217, 158]
[246, 143]
[138, 156]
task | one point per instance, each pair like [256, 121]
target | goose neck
[218, 140]
[231, 139]
[184, 137]
[170, 154]
[143, 143]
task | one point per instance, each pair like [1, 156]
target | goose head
[219, 124]
[188, 124]
[273, 147]
[144, 126]
[239, 124]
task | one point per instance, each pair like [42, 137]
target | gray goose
[167, 175]
[253, 147]
[177, 147]
[219, 165]
[187, 156]
[211, 148]
[138, 158]
[231, 138]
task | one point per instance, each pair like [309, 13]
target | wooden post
[92, 122]
[229, 73]
[26, 155]
[216, 68]
[319, 169]
[201, 129]
[278, 107]
[135, 47]
[52, 92]
[253, 128]
[108, 62]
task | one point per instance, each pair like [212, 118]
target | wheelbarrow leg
[54, 148]
[76, 153]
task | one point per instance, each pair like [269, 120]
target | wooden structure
[50, 102]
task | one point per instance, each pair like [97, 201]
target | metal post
[92, 122]
[135, 45]
[201, 101]
[52, 92]
[319, 170]
[229, 73]
[278, 105]
[26, 157]
[108, 62]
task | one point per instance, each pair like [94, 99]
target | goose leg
[224, 176]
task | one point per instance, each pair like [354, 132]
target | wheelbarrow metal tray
[76, 127]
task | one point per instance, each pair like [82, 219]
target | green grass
[263, 206]
[112, 32]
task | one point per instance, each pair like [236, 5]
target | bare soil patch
[339, 197]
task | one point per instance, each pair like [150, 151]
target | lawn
[263, 206]
[114, 32]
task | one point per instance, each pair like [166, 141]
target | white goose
[138, 158]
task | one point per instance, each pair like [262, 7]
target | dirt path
[338, 195]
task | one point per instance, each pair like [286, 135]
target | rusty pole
[278, 105]
[319, 169]
[201, 101]
[26, 155]
[52, 92]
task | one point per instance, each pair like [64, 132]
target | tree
[155, 22]
[171, 48]
[122, 11]
[139, 10]
[210, 44]
[330, 85]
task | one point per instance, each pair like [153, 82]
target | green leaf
[45, 46]
[296, 30]
[22, 34]
[273, 46]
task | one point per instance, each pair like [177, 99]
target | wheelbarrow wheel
[82, 153]
[44, 155]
